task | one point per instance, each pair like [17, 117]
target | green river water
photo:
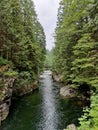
[42, 110]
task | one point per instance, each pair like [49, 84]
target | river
[43, 109]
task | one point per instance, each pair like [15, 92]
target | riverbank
[82, 94]
[5, 97]
[44, 109]
[8, 90]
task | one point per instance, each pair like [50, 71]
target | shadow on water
[43, 110]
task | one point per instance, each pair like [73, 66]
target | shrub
[24, 78]
[89, 121]
[4, 61]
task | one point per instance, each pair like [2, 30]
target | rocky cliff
[6, 88]
[25, 89]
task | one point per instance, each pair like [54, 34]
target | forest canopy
[76, 50]
[22, 38]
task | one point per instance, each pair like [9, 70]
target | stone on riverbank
[56, 77]
[71, 127]
[67, 91]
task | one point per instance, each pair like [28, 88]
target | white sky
[47, 14]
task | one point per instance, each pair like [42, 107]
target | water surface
[43, 109]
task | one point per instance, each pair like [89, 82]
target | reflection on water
[49, 107]
[43, 110]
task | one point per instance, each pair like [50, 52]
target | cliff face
[6, 94]
[25, 89]
[6, 89]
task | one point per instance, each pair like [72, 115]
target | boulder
[67, 91]
[56, 77]
[71, 127]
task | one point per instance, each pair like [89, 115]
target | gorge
[43, 110]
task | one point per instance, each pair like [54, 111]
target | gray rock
[4, 111]
[67, 91]
[71, 127]
[57, 77]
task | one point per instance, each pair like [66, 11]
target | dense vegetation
[76, 51]
[22, 39]
[49, 59]
[22, 47]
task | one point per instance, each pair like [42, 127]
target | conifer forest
[49, 89]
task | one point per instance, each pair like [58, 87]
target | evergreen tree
[22, 39]
[76, 50]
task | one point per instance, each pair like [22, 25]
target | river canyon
[44, 109]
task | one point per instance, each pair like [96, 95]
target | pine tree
[22, 39]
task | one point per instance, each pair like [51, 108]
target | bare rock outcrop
[7, 89]
[5, 96]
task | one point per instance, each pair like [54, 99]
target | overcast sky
[47, 14]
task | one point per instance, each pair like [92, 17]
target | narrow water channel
[43, 110]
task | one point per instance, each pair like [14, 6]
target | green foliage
[75, 54]
[24, 78]
[10, 73]
[22, 39]
[94, 112]
[85, 121]
[89, 121]
[68, 31]
[76, 50]
[49, 59]
[4, 62]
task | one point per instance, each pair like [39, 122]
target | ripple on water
[43, 110]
